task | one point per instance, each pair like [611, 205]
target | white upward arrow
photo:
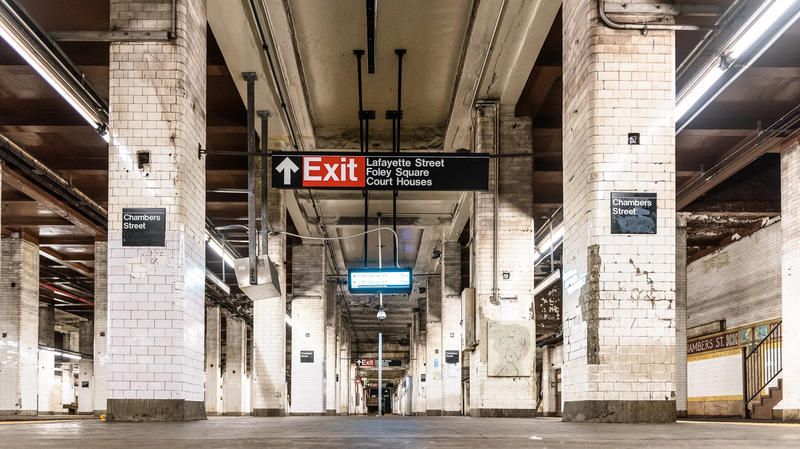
[287, 167]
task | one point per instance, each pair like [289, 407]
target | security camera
[381, 314]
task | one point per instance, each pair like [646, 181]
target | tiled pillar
[213, 389]
[421, 405]
[86, 369]
[234, 378]
[47, 321]
[451, 328]
[619, 289]
[269, 327]
[308, 330]
[100, 368]
[789, 407]
[157, 99]
[19, 326]
[331, 356]
[435, 356]
[502, 257]
[345, 381]
[681, 291]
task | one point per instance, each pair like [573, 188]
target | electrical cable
[308, 237]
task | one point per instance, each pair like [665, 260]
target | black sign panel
[355, 171]
[633, 213]
[451, 356]
[143, 226]
[422, 377]
[306, 356]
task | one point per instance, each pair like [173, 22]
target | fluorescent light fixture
[29, 53]
[762, 23]
[549, 243]
[547, 282]
[757, 26]
[218, 282]
[67, 355]
[217, 248]
[697, 91]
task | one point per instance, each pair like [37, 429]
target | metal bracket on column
[252, 248]
[264, 229]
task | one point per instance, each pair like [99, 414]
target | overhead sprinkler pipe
[264, 237]
[643, 27]
[361, 140]
[250, 78]
[396, 119]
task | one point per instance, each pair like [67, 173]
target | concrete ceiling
[432, 32]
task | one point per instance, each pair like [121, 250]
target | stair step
[763, 410]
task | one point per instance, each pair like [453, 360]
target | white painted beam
[504, 41]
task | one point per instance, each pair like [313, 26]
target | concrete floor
[393, 432]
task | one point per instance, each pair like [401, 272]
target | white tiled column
[331, 356]
[47, 320]
[503, 284]
[435, 357]
[157, 102]
[47, 366]
[421, 404]
[789, 407]
[345, 381]
[681, 317]
[86, 369]
[308, 329]
[19, 326]
[269, 327]
[619, 289]
[234, 378]
[451, 327]
[213, 390]
[100, 368]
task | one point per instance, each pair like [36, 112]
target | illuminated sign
[379, 280]
[429, 171]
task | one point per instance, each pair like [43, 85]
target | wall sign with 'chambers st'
[633, 213]
[430, 171]
[306, 356]
[143, 226]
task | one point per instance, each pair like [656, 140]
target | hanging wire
[308, 237]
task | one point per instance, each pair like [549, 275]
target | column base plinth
[502, 413]
[142, 410]
[269, 412]
[620, 411]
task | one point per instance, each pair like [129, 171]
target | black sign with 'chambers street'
[633, 213]
[306, 356]
[143, 226]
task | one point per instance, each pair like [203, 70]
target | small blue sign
[379, 280]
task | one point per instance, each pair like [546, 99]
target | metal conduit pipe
[266, 45]
[601, 9]
[721, 23]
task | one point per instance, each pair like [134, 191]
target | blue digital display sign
[379, 280]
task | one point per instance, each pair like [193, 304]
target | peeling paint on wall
[589, 303]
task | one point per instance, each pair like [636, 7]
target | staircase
[763, 409]
[760, 367]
